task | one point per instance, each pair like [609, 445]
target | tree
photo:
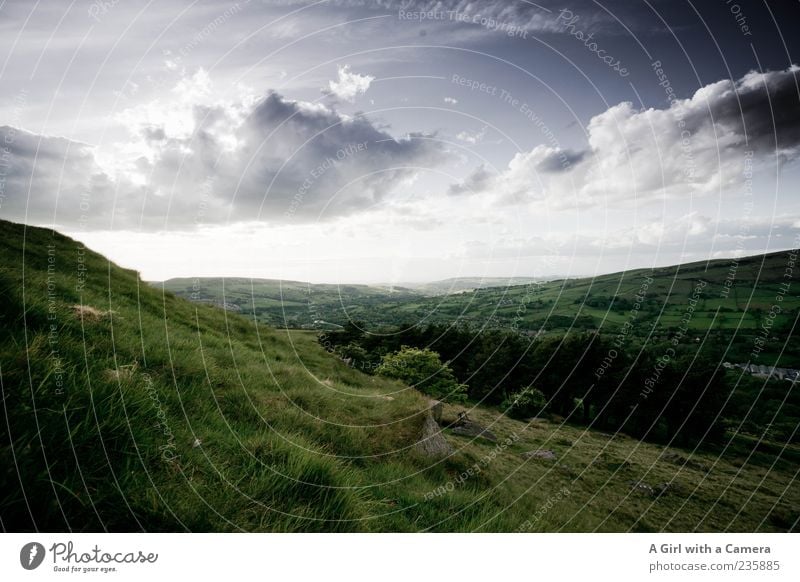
[423, 369]
[567, 365]
[525, 403]
[354, 355]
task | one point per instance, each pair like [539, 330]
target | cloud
[188, 164]
[480, 180]
[692, 234]
[41, 175]
[696, 146]
[559, 160]
[472, 137]
[489, 16]
[697, 233]
[349, 85]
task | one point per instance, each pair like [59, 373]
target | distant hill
[127, 408]
[292, 304]
[735, 299]
[461, 284]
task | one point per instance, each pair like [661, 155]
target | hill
[461, 284]
[127, 408]
[291, 304]
[735, 301]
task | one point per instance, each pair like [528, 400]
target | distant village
[770, 372]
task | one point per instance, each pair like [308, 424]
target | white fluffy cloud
[472, 137]
[692, 234]
[349, 85]
[697, 146]
[193, 161]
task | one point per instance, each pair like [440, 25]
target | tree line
[664, 391]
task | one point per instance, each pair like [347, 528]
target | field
[129, 408]
[735, 302]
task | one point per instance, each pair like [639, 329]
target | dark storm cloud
[308, 161]
[291, 161]
[695, 146]
[762, 109]
[40, 173]
[491, 15]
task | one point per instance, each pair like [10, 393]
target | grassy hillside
[128, 408]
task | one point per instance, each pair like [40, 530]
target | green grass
[153, 413]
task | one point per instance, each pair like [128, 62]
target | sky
[395, 141]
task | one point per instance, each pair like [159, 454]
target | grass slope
[126, 408]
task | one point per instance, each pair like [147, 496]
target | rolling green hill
[737, 295]
[735, 303]
[461, 284]
[291, 304]
[127, 408]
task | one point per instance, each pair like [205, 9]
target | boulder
[542, 454]
[641, 487]
[432, 442]
[469, 428]
[437, 408]
[473, 429]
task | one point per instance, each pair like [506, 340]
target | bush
[525, 403]
[423, 369]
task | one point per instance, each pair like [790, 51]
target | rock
[543, 454]
[641, 487]
[475, 430]
[432, 442]
[436, 410]
[122, 373]
[89, 313]
[469, 428]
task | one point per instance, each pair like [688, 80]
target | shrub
[525, 403]
[423, 369]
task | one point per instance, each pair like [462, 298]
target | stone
[432, 442]
[469, 428]
[641, 487]
[437, 408]
[89, 313]
[542, 454]
[475, 430]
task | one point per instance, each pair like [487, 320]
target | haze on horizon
[402, 141]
